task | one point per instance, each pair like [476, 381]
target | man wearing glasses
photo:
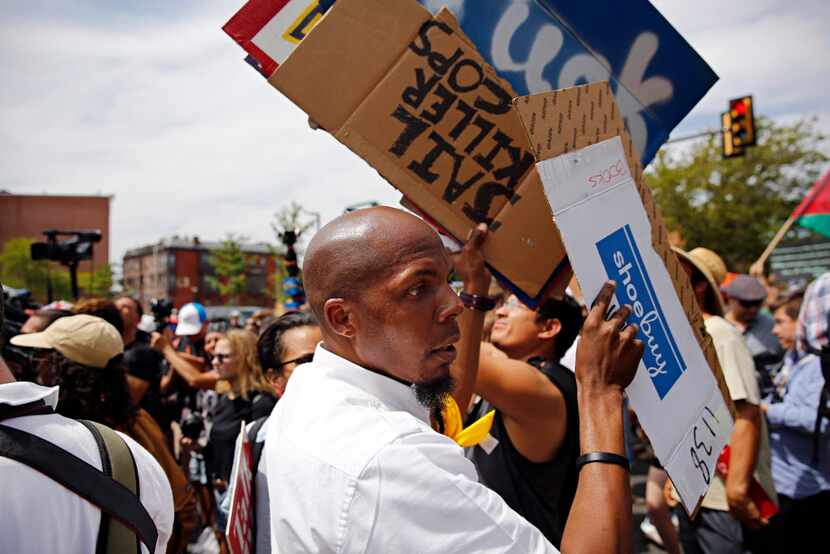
[530, 461]
[745, 298]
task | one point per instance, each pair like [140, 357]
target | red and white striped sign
[269, 30]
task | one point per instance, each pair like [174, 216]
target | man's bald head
[355, 250]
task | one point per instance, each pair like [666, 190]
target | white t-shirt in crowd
[354, 466]
[40, 515]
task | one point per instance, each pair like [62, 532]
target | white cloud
[170, 120]
[778, 52]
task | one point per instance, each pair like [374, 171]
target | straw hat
[711, 266]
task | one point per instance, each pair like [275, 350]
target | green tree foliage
[228, 264]
[18, 270]
[735, 206]
[97, 284]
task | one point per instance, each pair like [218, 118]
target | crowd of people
[396, 414]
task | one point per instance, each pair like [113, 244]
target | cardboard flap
[411, 95]
[333, 69]
[569, 119]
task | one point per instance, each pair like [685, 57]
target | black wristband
[477, 302]
[603, 458]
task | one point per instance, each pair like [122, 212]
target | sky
[151, 102]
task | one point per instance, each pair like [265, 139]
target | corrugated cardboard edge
[564, 120]
[578, 127]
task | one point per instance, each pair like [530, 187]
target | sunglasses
[304, 359]
[750, 303]
[222, 357]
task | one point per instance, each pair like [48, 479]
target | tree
[18, 270]
[289, 218]
[97, 284]
[735, 206]
[292, 218]
[229, 264]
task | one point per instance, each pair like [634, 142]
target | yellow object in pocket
[454, 425]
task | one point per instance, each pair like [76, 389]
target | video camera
[162, 309]
[68, 252]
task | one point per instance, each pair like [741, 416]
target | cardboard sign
[611, 229]
[241, 516]
[540, 45]
[410, 94]
[657, 78]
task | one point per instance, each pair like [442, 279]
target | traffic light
[743, 121]
[738, 127]
[729, 149]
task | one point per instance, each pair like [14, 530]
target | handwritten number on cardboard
[701, 465]
[700, 444]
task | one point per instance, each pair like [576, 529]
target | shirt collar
[22, 392]
[391, 393]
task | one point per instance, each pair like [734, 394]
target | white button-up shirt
[40, 515]
[354, 466]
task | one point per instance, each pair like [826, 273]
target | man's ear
[550, 328]
[339, 317]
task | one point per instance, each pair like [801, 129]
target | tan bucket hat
[711, 266]
[84, 339]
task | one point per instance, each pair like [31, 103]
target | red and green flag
[814, 211]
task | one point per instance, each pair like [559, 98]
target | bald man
[353, 464]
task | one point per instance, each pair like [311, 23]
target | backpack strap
[112, 497]
[118, 463]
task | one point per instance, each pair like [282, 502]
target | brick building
[28, 215]
[177, 269]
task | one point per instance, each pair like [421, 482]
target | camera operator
[144, 365]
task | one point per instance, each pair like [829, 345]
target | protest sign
[539, 45]
[410, 94]
[270, 29]
[612, 230]
[241, 516]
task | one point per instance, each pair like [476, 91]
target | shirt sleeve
[798, 409]
[738, 367]
[419, 494]
[155, 492]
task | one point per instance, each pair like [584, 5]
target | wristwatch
[477, 302]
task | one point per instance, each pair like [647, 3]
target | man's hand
[743, 508]
[159, 342]
[469, 263]
[606, 360]
[607, 355]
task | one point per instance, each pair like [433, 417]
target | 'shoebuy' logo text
[623, 263]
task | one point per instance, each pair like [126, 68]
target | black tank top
[542, 493]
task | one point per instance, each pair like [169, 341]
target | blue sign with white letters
[540, 45]
[623, 263]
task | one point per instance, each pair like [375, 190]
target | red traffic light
[739, 106]
[742, 122]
